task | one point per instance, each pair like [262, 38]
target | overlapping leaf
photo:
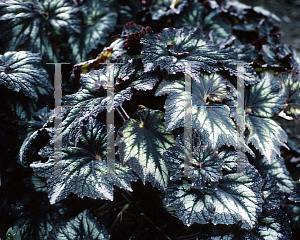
[99, 22]
[237, 200]
[196, 15]
[188, 50]
[213, 123]
[278, 171]
[266, 135]
[271, 191]
[206, 165]
[229, 156]
[35, 216]
[295, 194]
[265, 98]
[37, 24]
[166, 7]
[272, 224]
[293, 211]
[83, 168]
[35, 128]
[291, 85]
[142, 142]
[83, 226]
[92, 97]
[22, 71]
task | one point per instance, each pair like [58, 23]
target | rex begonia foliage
[139, 63]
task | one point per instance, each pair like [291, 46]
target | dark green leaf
[295, 194]
[271, 191]
[99, 22]
[195, 15]
[293, 211]
[83, 226]
[163, 8]
[187, 50]
[37, 25]
[206, 166]
[291, 85]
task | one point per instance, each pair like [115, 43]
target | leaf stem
[118, 217]
[122, 113]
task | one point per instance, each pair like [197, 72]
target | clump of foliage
[149, 47]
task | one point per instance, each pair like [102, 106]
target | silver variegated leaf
[206, 165]
[266, 135]
[291, 85]
[83, 226]
[163, 8]
[22, 71]
[237, 200]
[196, 15]
[36, 24]
[276, 170]
[188, 50]
[83, 168]
[142, 142]
[212, 121]
[93, 97]
[99, 22]
[265, 98]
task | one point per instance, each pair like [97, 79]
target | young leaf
[265, 98]
[84, 167]
[22, 71]
[142, 142]
[99, 22]
[291, 85]
[83, 226]
[266, 136]
[237, 200]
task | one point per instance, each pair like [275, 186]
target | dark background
[289, 12]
